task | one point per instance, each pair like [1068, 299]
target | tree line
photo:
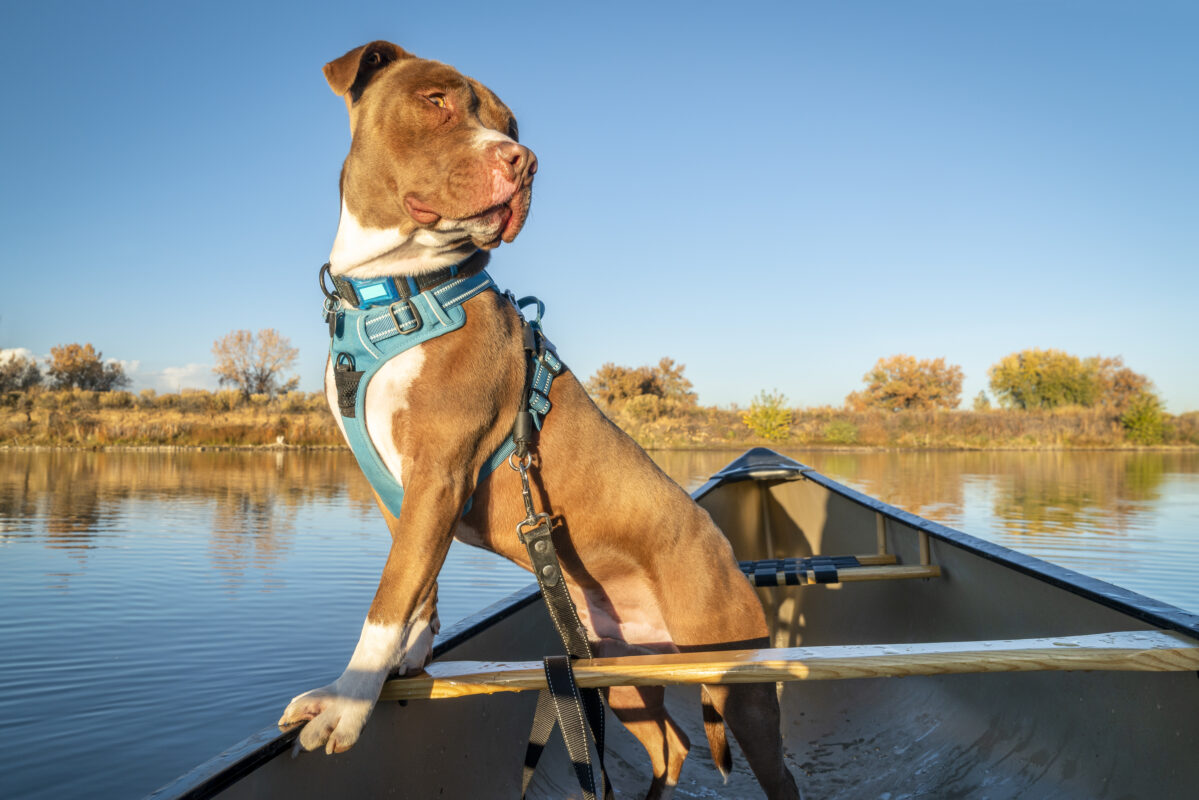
[251, 364]
[1029, 380]
[661, 397]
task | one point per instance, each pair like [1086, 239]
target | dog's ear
[350, 74]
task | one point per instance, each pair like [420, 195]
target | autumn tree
[614, 385]
[903, 382]
[255, 364]
[642, 394]
[1036, 378]
[1119, 386]
[18, 373]
[81, 366]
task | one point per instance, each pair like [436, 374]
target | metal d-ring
[524, 463]
[320, 277]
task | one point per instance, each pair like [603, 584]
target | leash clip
[527, 527]
[532, 518]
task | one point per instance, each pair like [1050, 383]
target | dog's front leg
[399, 628]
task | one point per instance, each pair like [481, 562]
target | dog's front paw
[334, 716]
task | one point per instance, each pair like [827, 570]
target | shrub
[194, 400]
[840, 431]
[644, 407]
[226, 399]
[902, 382]
[18, 373]
[768, 416]
[614, 386]
[1143, 420]
[118, 399]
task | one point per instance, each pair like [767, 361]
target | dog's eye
[437, 100]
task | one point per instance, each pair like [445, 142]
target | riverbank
[301, 420]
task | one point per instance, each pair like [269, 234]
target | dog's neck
[362, 252]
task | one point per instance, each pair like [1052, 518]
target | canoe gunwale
[1156, 613]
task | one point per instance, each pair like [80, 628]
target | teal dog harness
[373, 321]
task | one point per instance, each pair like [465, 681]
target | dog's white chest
[387, 396]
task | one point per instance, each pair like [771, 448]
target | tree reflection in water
[1043, 492]
[71, 499]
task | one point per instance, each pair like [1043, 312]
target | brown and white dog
[435, 177]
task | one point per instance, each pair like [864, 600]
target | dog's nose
[518, 159]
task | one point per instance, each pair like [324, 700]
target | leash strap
[563, 702]
[568, 702]
[584, 703]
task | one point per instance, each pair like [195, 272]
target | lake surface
[156, 607]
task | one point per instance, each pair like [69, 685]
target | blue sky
[775, 194]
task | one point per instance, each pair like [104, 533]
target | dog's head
[434, 154]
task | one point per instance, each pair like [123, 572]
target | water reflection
[1060, 492]
[1131, 518]
[70, 500]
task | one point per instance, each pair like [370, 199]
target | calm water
[156, 608]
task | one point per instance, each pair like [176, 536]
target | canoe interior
[1052, 734]
[1045, 734]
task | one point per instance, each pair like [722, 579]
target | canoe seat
[1143, 651]
[833, 569]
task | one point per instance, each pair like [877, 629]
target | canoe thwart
[1142, 651]
[832, 569]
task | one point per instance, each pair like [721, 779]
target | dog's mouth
[486, 228]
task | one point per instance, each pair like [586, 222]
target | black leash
[563, 702]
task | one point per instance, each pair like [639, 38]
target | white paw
[334, 715]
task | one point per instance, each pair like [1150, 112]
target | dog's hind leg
[752, 713]
[643, 711]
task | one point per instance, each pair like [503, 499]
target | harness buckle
[411, 310]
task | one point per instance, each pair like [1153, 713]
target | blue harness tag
[375, 292]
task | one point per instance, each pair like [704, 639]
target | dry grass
[190, 419]
[1064, 428]
[78, 418]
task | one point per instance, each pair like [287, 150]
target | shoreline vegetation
[227, 419]
[1046, 400]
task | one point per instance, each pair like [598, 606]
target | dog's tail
[718, 741]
